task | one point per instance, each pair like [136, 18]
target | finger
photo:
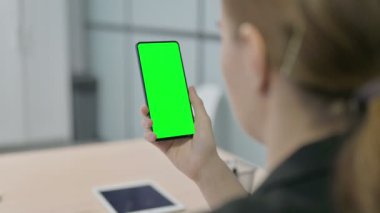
[150, 136]
[146, 123]
[144, 110]
[199, 108]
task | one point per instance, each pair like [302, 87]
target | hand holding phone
[168, 115]
[189, 155]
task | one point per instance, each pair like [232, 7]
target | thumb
[201, 115]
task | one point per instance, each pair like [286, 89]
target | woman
[297, 75]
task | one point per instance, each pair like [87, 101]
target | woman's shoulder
[304, 197]
[303, 183]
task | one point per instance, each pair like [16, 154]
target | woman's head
[339, 52]
[328, 49]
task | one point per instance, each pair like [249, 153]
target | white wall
[35, 98]
[11, 85]
[77, 36]
[47, 70]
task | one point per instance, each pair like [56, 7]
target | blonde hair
[340, 53]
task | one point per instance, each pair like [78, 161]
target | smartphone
[165, 88]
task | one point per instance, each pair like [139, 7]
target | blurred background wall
[70, 73]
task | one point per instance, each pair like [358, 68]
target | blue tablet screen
[135, 199]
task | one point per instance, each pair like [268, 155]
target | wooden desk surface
[61, 180]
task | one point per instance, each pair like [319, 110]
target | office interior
[70, 74]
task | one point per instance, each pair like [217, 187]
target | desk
[61, 180]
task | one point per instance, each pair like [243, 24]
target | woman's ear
[255, 50]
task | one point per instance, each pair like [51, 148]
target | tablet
[141, 196]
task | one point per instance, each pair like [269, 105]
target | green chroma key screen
[166, 89]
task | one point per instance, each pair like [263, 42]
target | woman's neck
[291, 125]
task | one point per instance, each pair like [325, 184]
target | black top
[302, 183]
